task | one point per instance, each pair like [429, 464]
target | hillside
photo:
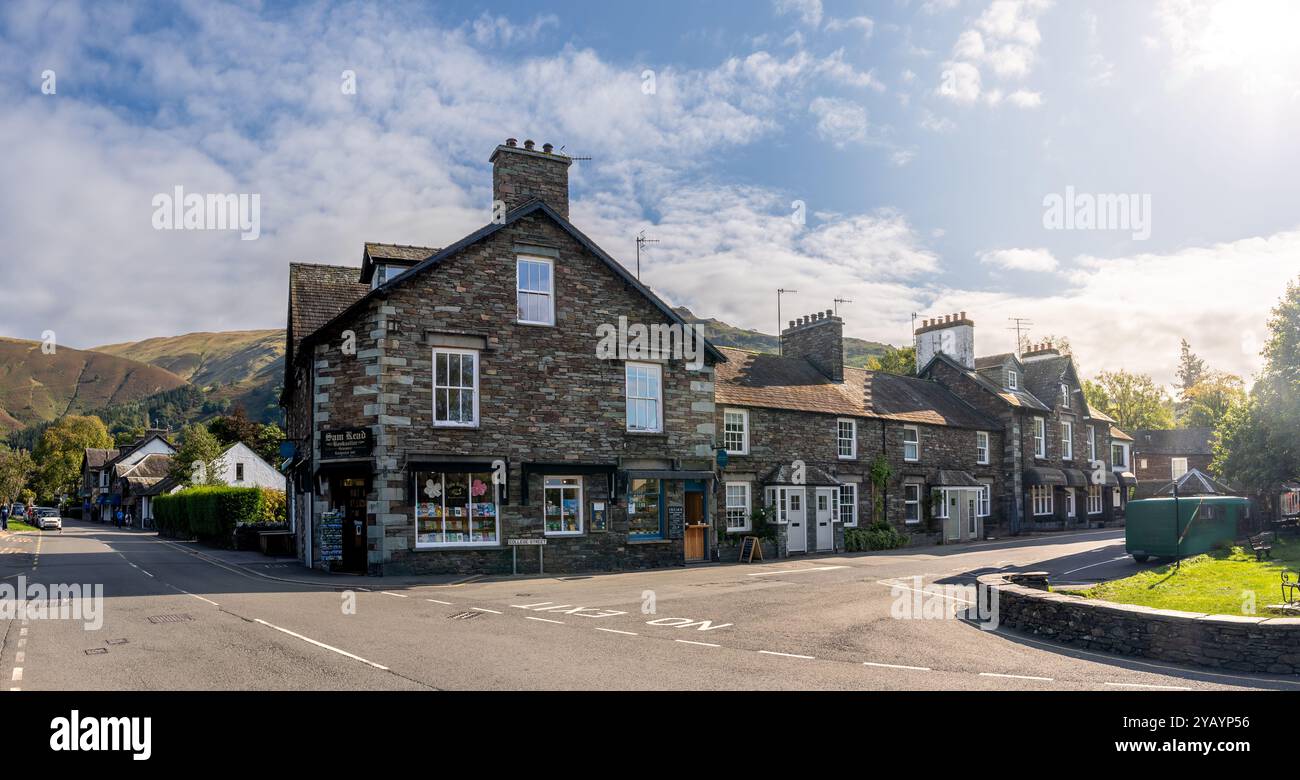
[856, 351]
[35, 387]
[242, 366]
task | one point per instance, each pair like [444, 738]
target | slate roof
[783, 474]
[1181, 441]
[1098, 414]
[756, 379]
[1116, 433]
[1195, 483]
[152, 466]
[1043, 377]
[399, 253]
[96, 458]
[991, 361]
[318, 294]
[1018, 397]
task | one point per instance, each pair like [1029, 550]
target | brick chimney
[520, 174]
[951, 334]
[1039, 351]
[819, 339]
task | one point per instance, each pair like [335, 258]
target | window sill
[648, 434]
[535, 324]
[656, 540]
[453, 427]
[847, 457]
[739, 530]
[561, 534]
[459, 546]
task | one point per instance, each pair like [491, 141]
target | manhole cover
[464, 616]
[171, 618]
[115, 641]
[97, 651]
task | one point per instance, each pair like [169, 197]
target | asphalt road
[176, 621]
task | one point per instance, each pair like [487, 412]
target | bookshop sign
[346, 443]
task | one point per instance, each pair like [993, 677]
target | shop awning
[1075, 478]
[353, 466]
[955, 478]
[1127, 479]
[784, 475]
[669, 474]
[1044, 476]
[1109, 479]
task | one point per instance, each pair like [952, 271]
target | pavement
[180, 617]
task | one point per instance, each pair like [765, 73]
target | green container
[1203, 522]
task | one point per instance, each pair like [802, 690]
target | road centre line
[616, 631]
[1098, 563]
[1017, 676]
[701, 644]
[898, 666]
[485, 609]
[390, 593]
[787, 655]
[792, 571]
[543, 620]
[435, 601]
[309, 640]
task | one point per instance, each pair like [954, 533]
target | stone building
[1056, 458]
[1160, 457]
[802, 434]
[452, 410]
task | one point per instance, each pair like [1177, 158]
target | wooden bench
[1262, 545]
[276, 542]
[1290, 584]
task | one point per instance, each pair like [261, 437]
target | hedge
[877, 536]
[212, 513]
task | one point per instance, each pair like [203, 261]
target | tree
[59, 453]
[1257, 443]
[235, 427]
[268, 443]
[1191, 369]
[198, 459]
[1061, 343]
[16, 467]
[896, 360]
[1095, 395]
[1206, 402]
[1134, 400]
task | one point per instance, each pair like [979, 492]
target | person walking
[4, 516]
[117, 518]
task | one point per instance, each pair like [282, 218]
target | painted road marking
[793, 571]
[435, 601]
[484, 609]
[543, 620]
[19, 656]
[675, 622]
[569, 609]
[701, 644]
[787, 655]
[18, 674]
[1098, 563]
[309, 640]
[898, 666]
[1143, 685]
[1016, 676]
[616, 631]
[389, 593]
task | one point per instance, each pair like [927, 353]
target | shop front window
[563, 505]
[455, 508]
[645, 509]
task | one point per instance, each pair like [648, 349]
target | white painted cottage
[239, 466]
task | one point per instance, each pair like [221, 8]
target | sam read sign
[346, 443]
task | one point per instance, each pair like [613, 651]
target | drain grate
[97, 651]
[464, 616]
[170, 619]
[115, 641]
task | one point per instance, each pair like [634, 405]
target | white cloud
[1251, 43]
[809, 11]
[860, 23]
[960, 82]
[1025, 98]
[490, 29]
[841, 122]
[1005, 38]
[1019, 259]
[935, 123]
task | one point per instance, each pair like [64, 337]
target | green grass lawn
[18, 525]
[1221, 582]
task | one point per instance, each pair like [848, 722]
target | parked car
[18, 512]
[48, 517]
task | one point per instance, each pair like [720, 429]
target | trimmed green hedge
[211, 513]
[877, 536]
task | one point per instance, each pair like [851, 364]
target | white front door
[796, 531]
[1069, 504]
[953, 521]
[825, 519]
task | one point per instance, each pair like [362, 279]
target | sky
[914, 157]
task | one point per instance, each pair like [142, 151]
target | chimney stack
[819, 339]
[522, 174]
[951, 334]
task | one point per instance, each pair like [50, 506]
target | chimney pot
[512, 142]
[792, 323]
[963, 315]
[830, 312]
[528, 144]
[547, 148]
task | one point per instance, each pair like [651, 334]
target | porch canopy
[1075, 478]
[1044, 476]
[784, 475]
[1127, 479]
[955, 478]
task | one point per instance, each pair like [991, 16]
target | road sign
[514, 542]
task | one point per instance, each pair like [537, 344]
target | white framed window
[735, 431]
[911, 503]
[1178, 466]
[1092, 442]
[982, 448]
[846, 438]
[1013, 380]
[849, 504]
[1118, 456]
[535, 290]
[1065, 396]
[737, 507]
[239, 472]
[455, 387]
[941, 507]
[456, 509]
[1040, 437]
[986, 499]
[1069, 502]
[645, 397]
[562, 506]
[1041, 497]
[1094, 499]
[911, 443]
[1067, 440]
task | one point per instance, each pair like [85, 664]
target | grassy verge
[19, 525]
[1222, 582]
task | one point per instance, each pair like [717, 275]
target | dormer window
[1013, 380]
[536, 291]
[382, 274]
